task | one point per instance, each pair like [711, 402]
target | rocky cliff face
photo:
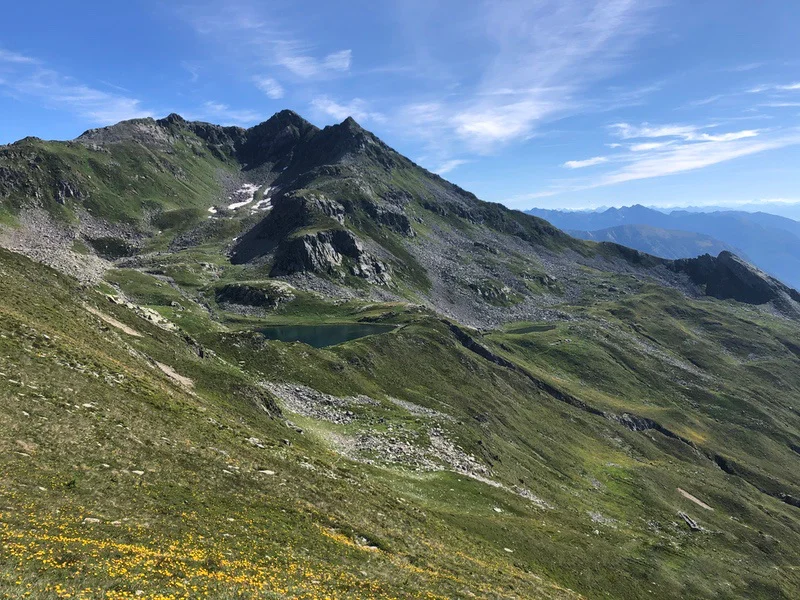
[335, 252]
[27, 173]
[729, 277]
[261, 295]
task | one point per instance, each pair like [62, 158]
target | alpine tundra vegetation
[514, 413]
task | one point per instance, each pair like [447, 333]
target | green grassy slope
[119, 182]
[640, 444]
[118, 477]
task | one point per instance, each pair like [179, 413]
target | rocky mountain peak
[276, 139]
[349, 143]
[146, 130]
[349, 129]
[351, 124]
[282, 121]
[173, 119]
[30, 139]
[289, 117]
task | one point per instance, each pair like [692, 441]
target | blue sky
[552, 103]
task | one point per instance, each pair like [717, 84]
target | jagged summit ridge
[335, 203]
[282, 138]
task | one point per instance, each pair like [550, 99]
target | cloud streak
[682, 158]
[255, 38]
[28, 79]
[788, 87]
[541, 58]
[680, 149]
[689, 133]
[589, 162]
[7, 56]
[270, 87]
[356, 108]
[450, 165]
[291, 57]
[218, 112]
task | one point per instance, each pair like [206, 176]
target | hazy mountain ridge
[666, 243]
[771, 242]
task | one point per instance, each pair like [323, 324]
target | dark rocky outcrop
[729, 277]
[292, 212]
[330, 252]
[390, 216]
[265, 295]
[38, 178]
[278, 141]
[320, 252]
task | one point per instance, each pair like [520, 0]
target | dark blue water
[321, 336]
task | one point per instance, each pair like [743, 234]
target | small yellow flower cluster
[66, 551]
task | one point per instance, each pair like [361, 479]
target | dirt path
[697, 501]
[173, 374]
[113, 322]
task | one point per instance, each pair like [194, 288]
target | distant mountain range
[666, 243]
[770, 242]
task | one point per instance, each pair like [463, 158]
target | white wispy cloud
[356, 108]
[647, 146]
[689, 133]
[193, 70]
[256, 37]
[6, 56]
[788, 87]
[269, 86]
[589, 162]
[686, 157]
[708, 100]
[772, 90]
[223, 114]
[742, 68]
[627, 131]
[29, 79]
[449, 165]
[541, 58]
[778, 104]
[292, 56]
[725, 137]
[338, 61]
[490, 125]
[679, 149]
